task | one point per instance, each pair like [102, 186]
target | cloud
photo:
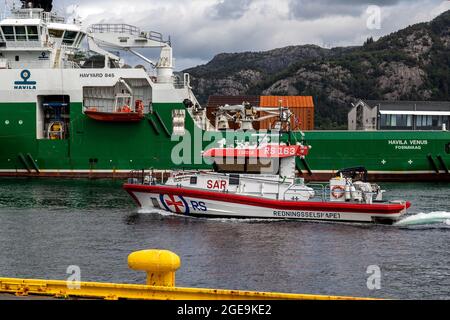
[200, 29]
[229, 9]
[307, 9]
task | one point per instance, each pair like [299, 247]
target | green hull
[109, 148]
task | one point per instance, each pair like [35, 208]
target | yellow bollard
[160, 266]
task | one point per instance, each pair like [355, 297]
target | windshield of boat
[247, 165]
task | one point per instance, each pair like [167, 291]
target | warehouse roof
[287, 101]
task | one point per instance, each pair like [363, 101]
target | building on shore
[370, 115]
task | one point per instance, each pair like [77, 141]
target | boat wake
[431, 219]
[160, 212]
[439, 218]
[211, 218]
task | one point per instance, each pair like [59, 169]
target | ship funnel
[47, 5]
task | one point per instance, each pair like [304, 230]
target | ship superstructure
[60, 102]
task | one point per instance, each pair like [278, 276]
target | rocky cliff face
[413, 63]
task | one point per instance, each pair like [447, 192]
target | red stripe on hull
[269, 203]
[422, 177]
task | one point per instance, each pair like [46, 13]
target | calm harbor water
[47, 225]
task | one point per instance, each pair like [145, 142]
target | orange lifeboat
[122, 114]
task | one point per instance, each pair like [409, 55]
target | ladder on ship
[57, 58]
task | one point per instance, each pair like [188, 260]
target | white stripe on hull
[202, 207]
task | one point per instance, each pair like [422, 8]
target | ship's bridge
[69, 35]
[18, 33]
[37, 39]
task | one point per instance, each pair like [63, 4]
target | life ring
[337, 192]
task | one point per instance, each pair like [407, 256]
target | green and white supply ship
[70, 112]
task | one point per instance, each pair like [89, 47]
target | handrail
[126, 29]
[322, 188]
[35, 13]
[192, 172]
[114, 27]
[24, 44]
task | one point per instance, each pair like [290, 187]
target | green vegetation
[410, 64]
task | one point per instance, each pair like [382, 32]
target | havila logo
[25, 84]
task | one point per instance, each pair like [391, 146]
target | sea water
[48, 225]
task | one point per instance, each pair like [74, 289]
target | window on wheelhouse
[55, 33]
[21, 34]
[8, 32]
[32, 32]
[69, 37]
[247, 165]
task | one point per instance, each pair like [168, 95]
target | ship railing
[110, 107]
[114, 28]
[102, 108]
[67, 64]
[4, 64]
[139, 176]
[186, 173]
[187, 80]
[178, 83]
[24, 44]
[147, 176]
[320, 190]
[27, 14]
[323, 191]
[123, 28]
[35, 13]
[29, 65]
[181, 80]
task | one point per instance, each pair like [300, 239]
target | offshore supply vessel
[71, 111]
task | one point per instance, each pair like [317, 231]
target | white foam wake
[156, 211]
[441, 217]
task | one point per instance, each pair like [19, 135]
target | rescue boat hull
[196, 202]
[115, 116]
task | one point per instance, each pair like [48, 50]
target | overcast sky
[200, 29]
